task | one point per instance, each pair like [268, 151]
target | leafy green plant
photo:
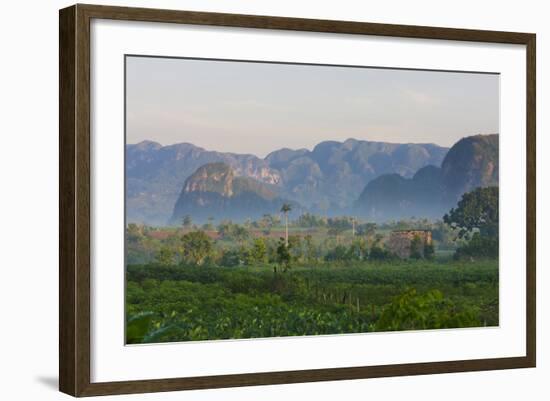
[197, 246]
[230, 258]
[416, 248]
[477, 211]
[283, 254]
[189, 302]
[259, 250]
[165, 256]
[137, 327]
[478, 247]
[429, 251]
[413, 311]
[377, 253]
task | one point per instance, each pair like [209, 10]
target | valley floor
[186, 303]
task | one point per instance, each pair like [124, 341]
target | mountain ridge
[326, 179]
[470, 163]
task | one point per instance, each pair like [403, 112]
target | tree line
[472, 227]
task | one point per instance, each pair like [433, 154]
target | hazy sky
[260, 107]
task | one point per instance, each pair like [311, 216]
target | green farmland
[182, 303]
[313, 275]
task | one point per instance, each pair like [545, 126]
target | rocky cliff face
[215, 190]
[155, 175]
[213, 177]
[472, 162]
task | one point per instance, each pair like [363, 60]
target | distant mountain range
[373, 180]
[155, 176]
[329, 179]
[472, 162]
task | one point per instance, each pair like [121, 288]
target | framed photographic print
[250, 200]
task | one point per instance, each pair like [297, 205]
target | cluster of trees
[308, 220]
[476, 220]
[197, 248]
[360, 249]
[335, 225]
[471, 229]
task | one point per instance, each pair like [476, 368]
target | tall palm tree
[285, 209]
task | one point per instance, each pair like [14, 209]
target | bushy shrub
[339, 253]
[259, 250]
[283, 254]
[413, 311]
[165, 256]
[379, 253]
[478, 247]
[429, 251]
[230, 258]
[416, 248]
[197, 246]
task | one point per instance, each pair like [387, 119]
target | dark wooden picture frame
[74, 199]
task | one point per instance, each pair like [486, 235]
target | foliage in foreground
[177, 303]
[431, 310]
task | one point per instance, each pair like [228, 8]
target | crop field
[166, 303]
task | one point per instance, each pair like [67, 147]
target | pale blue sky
[260, 107]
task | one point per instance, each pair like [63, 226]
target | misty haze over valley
[375, 181]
